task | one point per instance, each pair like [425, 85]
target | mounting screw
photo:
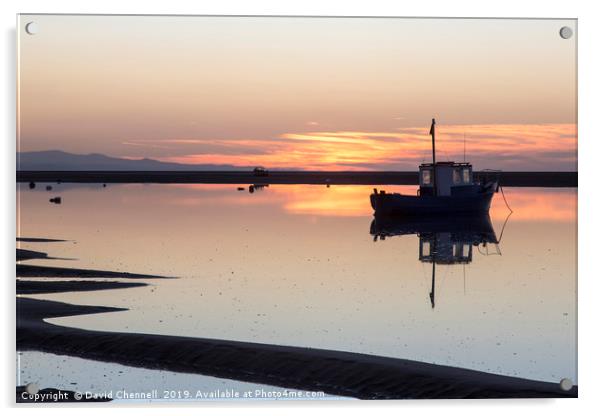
[566, 32]
[566, 384]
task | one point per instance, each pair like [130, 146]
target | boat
[444, 187]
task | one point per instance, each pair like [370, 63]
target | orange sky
[308, 93]
[514, 146]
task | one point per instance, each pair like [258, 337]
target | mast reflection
[446, 241]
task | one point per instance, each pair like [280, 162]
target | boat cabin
[450, 179]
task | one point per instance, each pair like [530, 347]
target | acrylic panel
[295, 208]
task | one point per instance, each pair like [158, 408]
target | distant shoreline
[518, 179]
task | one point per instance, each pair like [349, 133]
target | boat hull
[397, 204]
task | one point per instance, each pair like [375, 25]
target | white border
[589, 202]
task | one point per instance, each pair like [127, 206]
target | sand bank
[333, 372]
[28, 287]
[31, 271]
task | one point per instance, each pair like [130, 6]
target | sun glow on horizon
[301, 93]
[497, 146]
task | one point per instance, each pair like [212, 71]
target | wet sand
[39, 240]
[333, 372]
[23, 254]
[28, 287]
[547, 179]
[26, 270]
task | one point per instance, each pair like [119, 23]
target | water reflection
[295, 265]
[258, 187]
[442, 240]
[529, 204]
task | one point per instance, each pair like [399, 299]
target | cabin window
[426, 177]
[426, 248]
[456, 175]
[466, 250]
[466, 175]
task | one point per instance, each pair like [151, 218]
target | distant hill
[50, 160]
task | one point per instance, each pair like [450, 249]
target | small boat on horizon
[444, 187]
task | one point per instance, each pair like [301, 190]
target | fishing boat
[444, 187]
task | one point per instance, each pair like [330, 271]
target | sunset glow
[515, 147]
[301, 93]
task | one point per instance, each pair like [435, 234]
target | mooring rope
[504, 227]
[507, 205]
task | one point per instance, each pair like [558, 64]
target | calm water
[297, 265]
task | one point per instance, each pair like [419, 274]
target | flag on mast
[432, 131]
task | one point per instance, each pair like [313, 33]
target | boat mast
[432, 133]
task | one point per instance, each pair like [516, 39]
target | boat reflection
[447, 241]
[258, 187]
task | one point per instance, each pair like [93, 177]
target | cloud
[498, 146]
[199, 147]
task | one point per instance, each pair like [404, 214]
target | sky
[306, 93]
